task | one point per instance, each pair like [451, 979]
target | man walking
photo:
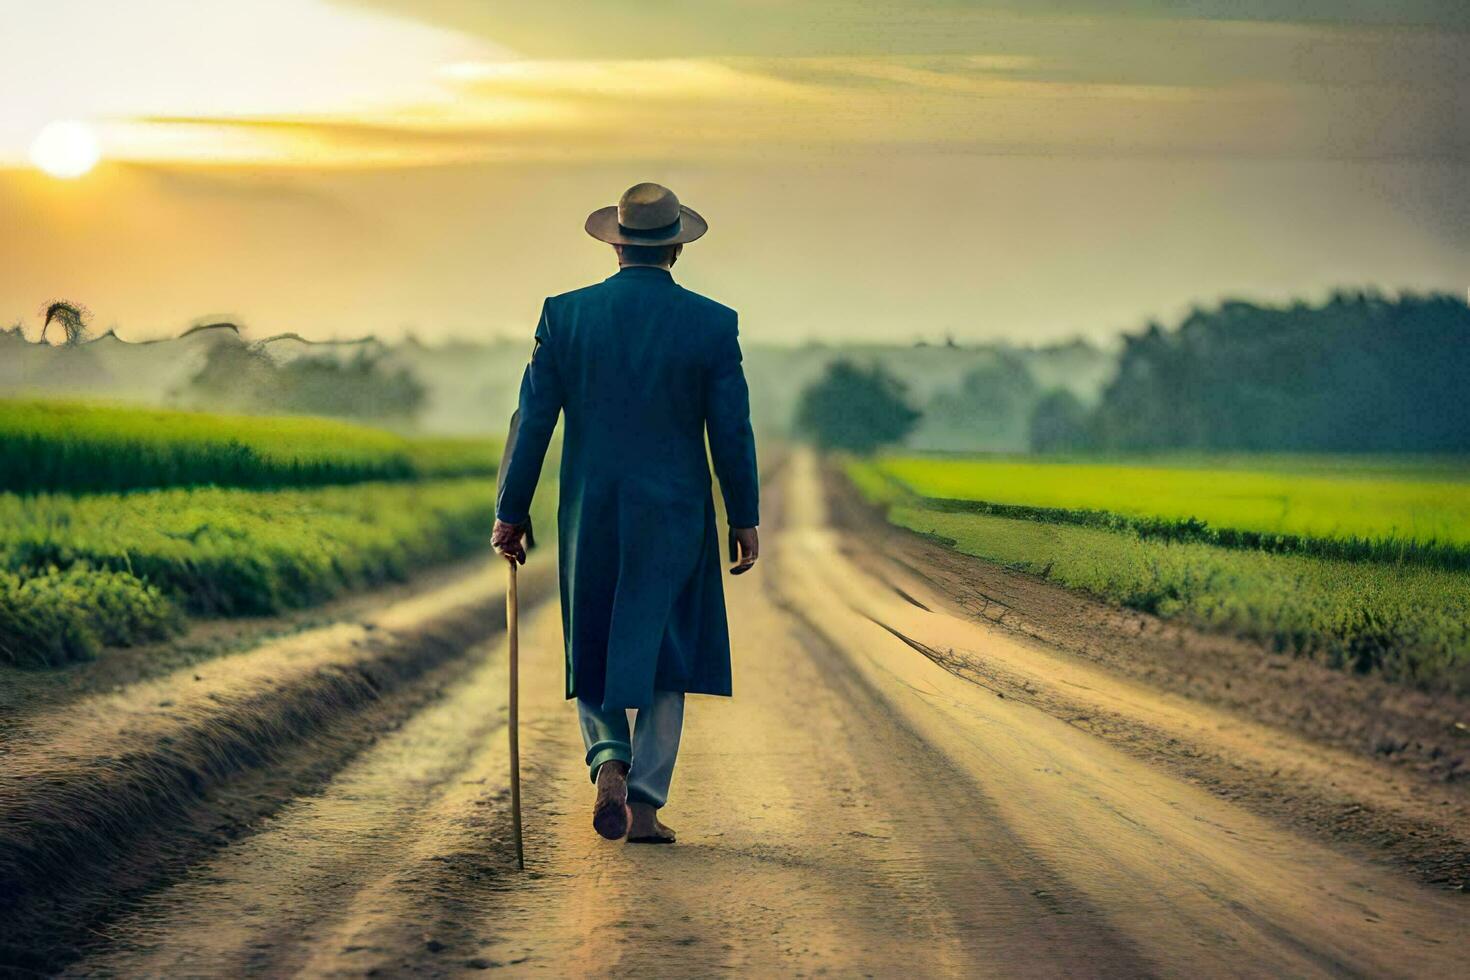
[642, 368]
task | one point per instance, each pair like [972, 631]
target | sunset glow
[325, 147]
[66, 149]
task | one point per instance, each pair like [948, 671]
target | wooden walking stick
[513, 636]
[512, 632]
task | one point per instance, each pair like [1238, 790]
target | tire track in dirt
[1193, 880]
[817, 834]
[101, 799]
[1292, 740]
[272, 903]
[856, 810]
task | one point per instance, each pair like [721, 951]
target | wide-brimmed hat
[647, 214]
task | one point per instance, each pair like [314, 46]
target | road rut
[856, 809]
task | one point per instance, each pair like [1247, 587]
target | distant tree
[71, 318]
[1059, 424]
[855, 409]
[235, 377]
[359, 388]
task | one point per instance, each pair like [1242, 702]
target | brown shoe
[646, 828]
[610, 814]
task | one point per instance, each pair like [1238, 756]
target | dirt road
[857, 809]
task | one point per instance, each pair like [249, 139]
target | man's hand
[745, 548]
[510, 540]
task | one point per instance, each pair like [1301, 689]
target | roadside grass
[1415, 511]
[77, 447]
[53, 616]
[1408, 621]
[78, 573]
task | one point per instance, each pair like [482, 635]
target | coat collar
[647, 272]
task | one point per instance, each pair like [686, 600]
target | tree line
[1361, 372]
[241, 377]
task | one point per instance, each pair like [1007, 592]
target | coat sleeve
[731, 441]
[530, 428]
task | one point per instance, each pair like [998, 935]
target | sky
[1028, 171]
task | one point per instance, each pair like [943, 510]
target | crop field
[117, 524]
[86, 448]
[1144, 537]
[1418, 510]
[77, 573]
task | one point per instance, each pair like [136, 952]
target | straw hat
[647, 214]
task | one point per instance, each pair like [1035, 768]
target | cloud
[729, 108]
[639, 29]
[654, 79]
[311, 84]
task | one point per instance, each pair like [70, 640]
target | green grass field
[77, 447]
[1417, 510]
[1097, 527]
[120, 523]
[78, 573]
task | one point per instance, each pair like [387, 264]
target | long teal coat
[642, 368]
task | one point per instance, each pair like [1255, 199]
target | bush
[57, 617]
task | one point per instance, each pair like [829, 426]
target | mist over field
[470, 388]
[1079, 583]
[1362, 372]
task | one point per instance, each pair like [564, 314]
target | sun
[66, 149]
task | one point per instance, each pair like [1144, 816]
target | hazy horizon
[870, 174]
